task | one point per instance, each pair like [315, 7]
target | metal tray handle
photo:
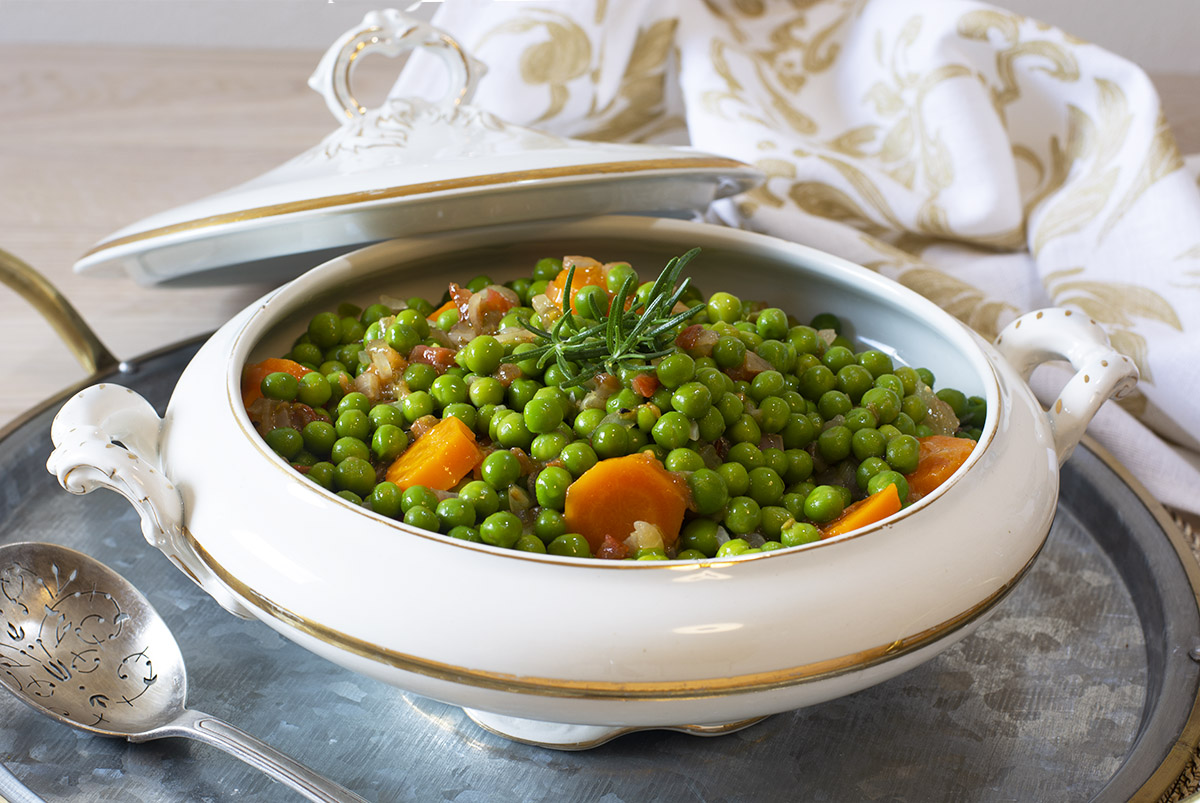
[1101, 372]
[79, 337]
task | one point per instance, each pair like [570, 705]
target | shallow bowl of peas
[580, 477]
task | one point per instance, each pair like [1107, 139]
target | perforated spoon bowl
[79, 643]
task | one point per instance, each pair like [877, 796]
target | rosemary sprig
[618, 336]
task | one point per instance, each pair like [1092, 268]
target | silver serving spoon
[78, 642]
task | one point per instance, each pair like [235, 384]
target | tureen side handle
[1101, 372]
[107, 436]
[391, 33]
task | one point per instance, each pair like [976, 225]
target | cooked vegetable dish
[582, 412]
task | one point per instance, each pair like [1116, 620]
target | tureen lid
[409, 166]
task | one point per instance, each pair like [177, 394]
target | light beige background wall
[1161, 35]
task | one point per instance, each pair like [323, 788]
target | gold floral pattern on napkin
[991, 162]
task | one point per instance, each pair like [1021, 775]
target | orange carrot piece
[609, 497]
[940, 456]
[433, 316]
[439, 458]
[876, 507]
[585, 274]
[253, 375]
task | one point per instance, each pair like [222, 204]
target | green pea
[816, 381]
[577, 457]
[672, 430]
[766, 486]
[884, 403]
[500, 469]
[730, 407]
[352, 330]
[860, 418]
[530, 543]
[902, 453]
[729, 351]
[767, 383]
[319, 437]
[455, 512]
[824, 504]
[868, 468]
[854, 380]
[551, 485]
[549, 524]
[353, 424]
[684, 459]
[773, 414]
[547, 269]
[742, 515]
[388, 442]
[355, 474]
[709, 492]
[482, 355]
[511, 432]
[313, 389]
[419, 376]
[591, 301]
[712, 425]
[891, 382]
[693, 399]
[926, 376]
[774, 519]
[736, 477]
[465, 534]
[875, 362]
[798, 432]
[805, 340]
[724, 307]
[610, 440]
[418, 496]
[325, 329]
[885, 478]
[834, 403]
[384, 499]
[748, 454]
[798, 534]
[868, 442]
[285, 441]
[733, 547]
[675, 369]
[483, 497]
[827, 320]
[570, 545]
[834, 444]
[307, 353]
[915, 408]
[402, 337]
[346, 448]
[548, 446]
[838, 357]
[322, 474]
[772, 323]
[486, 390]
[422, 517]
[351, 497]
[745, 429]
[417, 404]
[280, 385]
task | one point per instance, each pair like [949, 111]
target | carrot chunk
[439, 458]
[876, 507]
[609, 497]
[940, 456]
[253, 375]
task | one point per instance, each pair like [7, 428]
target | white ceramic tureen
[570, 652]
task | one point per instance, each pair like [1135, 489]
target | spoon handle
[206, 728]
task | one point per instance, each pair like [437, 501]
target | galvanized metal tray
[1082, 685]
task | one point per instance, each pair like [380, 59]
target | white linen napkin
[990, 162]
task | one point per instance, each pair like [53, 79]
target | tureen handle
[1101, 372]
[107, 436]
[391, 33]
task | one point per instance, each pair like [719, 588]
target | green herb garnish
[615, 337]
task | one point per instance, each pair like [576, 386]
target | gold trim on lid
[428, 187]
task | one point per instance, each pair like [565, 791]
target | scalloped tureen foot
[566, 736]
